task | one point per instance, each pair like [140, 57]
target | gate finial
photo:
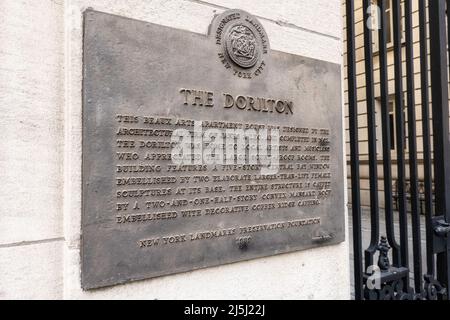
[383, 259]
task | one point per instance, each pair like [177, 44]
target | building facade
[360, 24]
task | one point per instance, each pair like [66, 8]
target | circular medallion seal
[242, 43]
[242, 46]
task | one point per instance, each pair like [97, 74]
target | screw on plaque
[323, 237]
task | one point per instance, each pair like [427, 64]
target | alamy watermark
[228, 147]
[373, 21]
[374, 280]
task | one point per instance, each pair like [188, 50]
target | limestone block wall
[32, 148]
[40, 152]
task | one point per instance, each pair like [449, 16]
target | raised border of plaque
[144, 216]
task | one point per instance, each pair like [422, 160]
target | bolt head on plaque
[242, 43]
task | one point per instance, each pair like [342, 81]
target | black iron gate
[393, 265]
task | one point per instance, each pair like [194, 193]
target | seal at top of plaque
[242, 43]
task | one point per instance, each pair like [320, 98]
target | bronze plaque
[158, 196]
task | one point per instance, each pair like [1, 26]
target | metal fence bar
[395, 282]
[397, 16]
[354, 149]
[427, 164]
[412, 154]
[386, 132]
[440, 106]
[371, 123]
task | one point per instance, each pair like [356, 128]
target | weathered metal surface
[145, 217]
